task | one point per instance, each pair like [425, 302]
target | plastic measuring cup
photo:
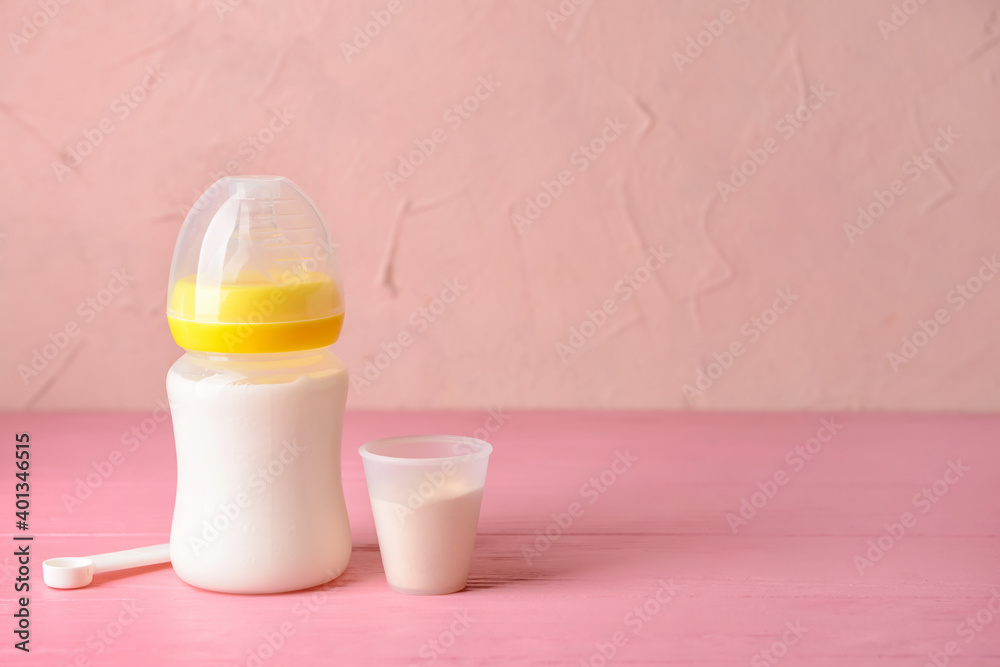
[425, 493]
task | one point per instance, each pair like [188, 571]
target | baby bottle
[257, 400]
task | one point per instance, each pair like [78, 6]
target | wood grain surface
[605, 538]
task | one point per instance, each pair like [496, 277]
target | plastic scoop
[76, 572]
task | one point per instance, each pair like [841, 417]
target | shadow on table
[499, 561]
[109, 577]
[365, 565]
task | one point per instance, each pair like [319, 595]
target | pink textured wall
[615, 121]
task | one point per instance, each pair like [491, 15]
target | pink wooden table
[878, 546]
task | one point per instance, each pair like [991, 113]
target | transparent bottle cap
[254, 271]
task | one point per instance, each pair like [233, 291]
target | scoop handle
[122, 560]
